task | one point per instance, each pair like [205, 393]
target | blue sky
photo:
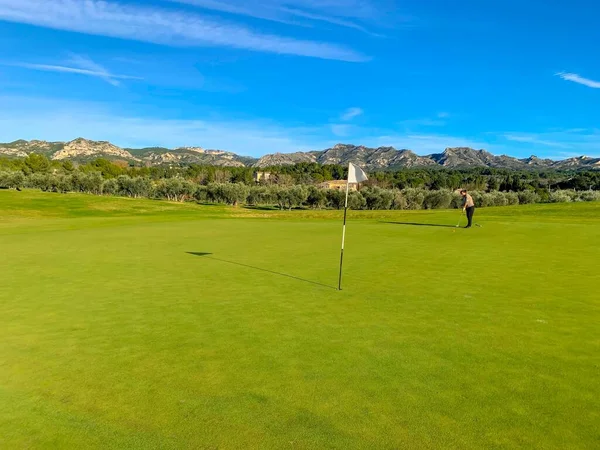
[262, 76]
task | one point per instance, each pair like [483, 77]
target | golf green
[137, 324]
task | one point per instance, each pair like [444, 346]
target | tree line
[477, 179]
[370, 197]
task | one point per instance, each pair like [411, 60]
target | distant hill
[82, 150]
[389, 158]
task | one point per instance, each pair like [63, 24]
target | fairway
[137, 324]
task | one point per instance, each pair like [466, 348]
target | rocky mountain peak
[380, 158]
[82, 148]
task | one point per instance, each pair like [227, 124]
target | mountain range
[382, 158]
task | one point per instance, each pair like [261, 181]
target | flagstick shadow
[421, 224]
[247, 266]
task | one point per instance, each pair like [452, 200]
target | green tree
[231, 194]
[12, 180]
[68, 166]
[335, 198]
[377, 198]
[291, 197]
[437, 199]
[398, 202]
[110, 187]
[35, 163]
[356, 200]
[414, 198]
[317, 198]
[260, 195]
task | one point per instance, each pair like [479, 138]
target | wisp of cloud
[161, 26]
[579, 79]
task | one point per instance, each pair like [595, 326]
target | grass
[115, 335]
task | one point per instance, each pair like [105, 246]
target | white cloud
[422, 123]
[84, 66]
[579, 79]
[564, 155]
[343, 13]
[534, 140]
[160, 26]
[576, 141]
[352, 113]
[438, 121]
[341, 129]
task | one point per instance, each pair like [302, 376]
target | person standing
[468, 206]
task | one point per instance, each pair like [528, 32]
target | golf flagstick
[343, 235]
[355, 175]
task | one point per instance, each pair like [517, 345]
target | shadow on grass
[273, 208]
[412, 224]
[210, 204]
[209, 256]
[262, 208]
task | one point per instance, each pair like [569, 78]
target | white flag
[356, 174]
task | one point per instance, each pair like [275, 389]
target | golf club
[459, 219]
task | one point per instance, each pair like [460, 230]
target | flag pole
[344, 232]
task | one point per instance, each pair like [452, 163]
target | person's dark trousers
[470, 212]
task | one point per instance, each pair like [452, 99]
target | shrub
[228, 193]
[482, 200]
[335, 198]
[51, 183]
[91, 183]
[377, 198]
[528, 197]
[64, 184]
[201, 194]
[37, 181]
[174, 189]
[544, 195]
[437, 200]
[125, 186]
[298, 196]
[235, 193]
[512, 198]
[398, 201]
[110, 187]
[414, 198]
[5, 180]
[559, 197]
[43, 181]
[496, 199]
[267, 196]
[589, 196]
[573, 195]
[134, 187]
[142, 187]
[317, 198]
[12, 180]
[457, 201]
[291, 197]
[356, 201]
